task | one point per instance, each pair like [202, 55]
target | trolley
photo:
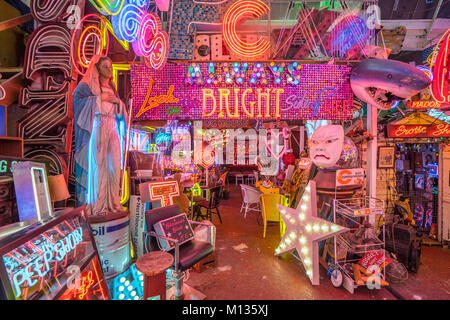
[353, 245]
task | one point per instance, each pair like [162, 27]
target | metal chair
[211, 205]
[185, 255]
[250, 196]
[270, 211]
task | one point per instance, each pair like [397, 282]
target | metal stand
[355, 212]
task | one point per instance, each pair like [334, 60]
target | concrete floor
[246, 268]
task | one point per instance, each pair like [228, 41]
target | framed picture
[386, 157]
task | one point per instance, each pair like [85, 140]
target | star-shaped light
[304, 231]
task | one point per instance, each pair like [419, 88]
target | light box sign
[418, 131]
[241, 91]
[47, 263]
[423, 104]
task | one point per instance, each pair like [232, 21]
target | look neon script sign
[321, 92]
[419, 131]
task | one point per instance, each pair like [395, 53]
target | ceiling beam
[4, 25]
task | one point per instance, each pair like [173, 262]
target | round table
[154, 265]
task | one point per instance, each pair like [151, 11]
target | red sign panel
[418, 131]
[420, 105]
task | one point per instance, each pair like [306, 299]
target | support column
[372, 150]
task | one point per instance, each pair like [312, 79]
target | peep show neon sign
[28, 270]
[242, 91]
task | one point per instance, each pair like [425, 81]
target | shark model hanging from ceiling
[382, 82]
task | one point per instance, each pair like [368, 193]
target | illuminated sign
[419, 131]
[441, 70]
[6, 165]
[93, 40]
[130, 22]
[88, 285]
[420, 105]
[168, 162]
[322, 92]
[159, 190]
[41, 265]
[236, 13]
[111, 7]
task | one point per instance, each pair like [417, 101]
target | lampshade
[58, 188]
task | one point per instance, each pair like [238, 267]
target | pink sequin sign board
[241, 91]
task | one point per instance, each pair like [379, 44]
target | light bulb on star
[308, 229]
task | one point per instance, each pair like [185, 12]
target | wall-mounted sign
[418, 131]
[423, 104]
[314, 92]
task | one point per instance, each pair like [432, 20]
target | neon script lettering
[442, 130]
[300, 102]
[417, 130]
[153, 102]
[242, 105]
[32, 272]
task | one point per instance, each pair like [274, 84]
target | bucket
[113, 244]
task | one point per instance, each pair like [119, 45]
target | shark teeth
[383, 98]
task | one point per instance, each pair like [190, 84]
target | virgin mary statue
[100, 126]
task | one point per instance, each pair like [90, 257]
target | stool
[239, 177]
[251, 180]
[153, 265]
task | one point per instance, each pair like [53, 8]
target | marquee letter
[208, 93]
[252, 104]
[235, 14]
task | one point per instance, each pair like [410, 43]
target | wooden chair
[270, 211]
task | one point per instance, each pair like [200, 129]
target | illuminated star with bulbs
[304, 231]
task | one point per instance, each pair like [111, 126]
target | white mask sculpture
[326, 145]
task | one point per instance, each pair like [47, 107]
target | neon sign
[311, 92]
[131, 23]
[441, 68]
[163, 191]
[28, 276]
[351, 32]
[409, 131]
[237, 12]
[39, 266]
[152, 42]
[88, 285]
[126, 23]
[93, 40]
[110, 7]
[153, 102]
[420, 105]
[168, 162]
